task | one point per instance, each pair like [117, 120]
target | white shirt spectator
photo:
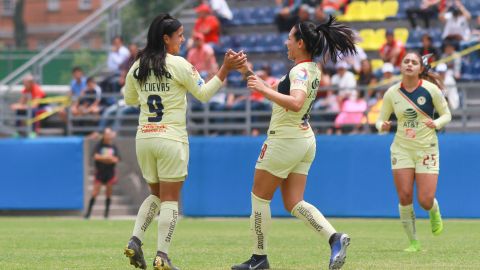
[450, 86]
[456, 26]
[344, 80]
[220, 7]
[116, 58]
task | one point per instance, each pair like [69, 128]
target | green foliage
[216, 244]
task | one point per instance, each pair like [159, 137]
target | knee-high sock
[313, 219]
[407, 217]
[90, 206]
[259, 224]
[166, 225]
[107, 207]
[147, 212]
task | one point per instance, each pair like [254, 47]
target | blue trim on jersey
[427, 107]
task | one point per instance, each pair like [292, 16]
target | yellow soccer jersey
[412, 110]
[284, 123]
[163, 103]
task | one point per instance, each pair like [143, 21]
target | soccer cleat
[162, 262]
[338, 244]
[414, 246]
[134, 252]
[256, 262]
[436, 222]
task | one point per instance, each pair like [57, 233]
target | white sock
[166, 225]
[434, 208]
[312, 217]
[146, 213]
[407, 217]
[259, 224]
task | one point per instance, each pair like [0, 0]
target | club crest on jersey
[302, 74]
[421, 100]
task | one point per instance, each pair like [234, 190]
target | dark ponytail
[331, 38]
[152, 57]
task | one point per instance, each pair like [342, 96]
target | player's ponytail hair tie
[425, 64]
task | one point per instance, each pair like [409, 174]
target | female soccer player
[414, 151]
[158, 81]
[289, 150]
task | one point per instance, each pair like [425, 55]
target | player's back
[162, 101]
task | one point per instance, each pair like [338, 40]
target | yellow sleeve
[385, 112]
[299, 79]
[441, 106]
[131, 87]
[193, 82]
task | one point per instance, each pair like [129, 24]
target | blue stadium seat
[235, 79]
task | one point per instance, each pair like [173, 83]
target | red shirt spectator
[35, 90]
[207, 24]
[202, 56]
[393, 50]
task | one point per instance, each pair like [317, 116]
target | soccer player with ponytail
[158, 82]
[414, 151]
[288, 152]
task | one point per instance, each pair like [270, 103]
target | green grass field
[61, 243]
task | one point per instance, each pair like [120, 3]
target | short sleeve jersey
[285, 123]
[412, 110]
[163, 103]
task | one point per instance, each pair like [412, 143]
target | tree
[20, 33]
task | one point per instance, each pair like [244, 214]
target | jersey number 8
[154, 103]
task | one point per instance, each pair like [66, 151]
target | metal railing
[207, 120]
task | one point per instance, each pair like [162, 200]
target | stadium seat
[376, 64]
[356, 11]
[401, 34]
[367, 36]
[390, 8]
[374, 11]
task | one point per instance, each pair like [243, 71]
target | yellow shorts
[423, 161]
[162, 159]
[281, 157]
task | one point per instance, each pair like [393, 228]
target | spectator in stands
[388, 71]
[352, 114]
[333, 7]
[125, 66]
[221, 10]
[456, 20]
[106, 157]
[31, 93]
[344, 80]
[319, 15]
[305, 12]
[450, 84]
[77, 84]
[454, 66]
[116, 57]
[287, 15]
[366, 76]
[202, 56]
[393, 50]
[427, 48]
[207, 24]
[427, 10]
[355, 61]
[89, 100]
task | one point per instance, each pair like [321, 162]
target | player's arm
[441, 106]
[383, 124]
[298, 90]
[189, 77]
[131, 85]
